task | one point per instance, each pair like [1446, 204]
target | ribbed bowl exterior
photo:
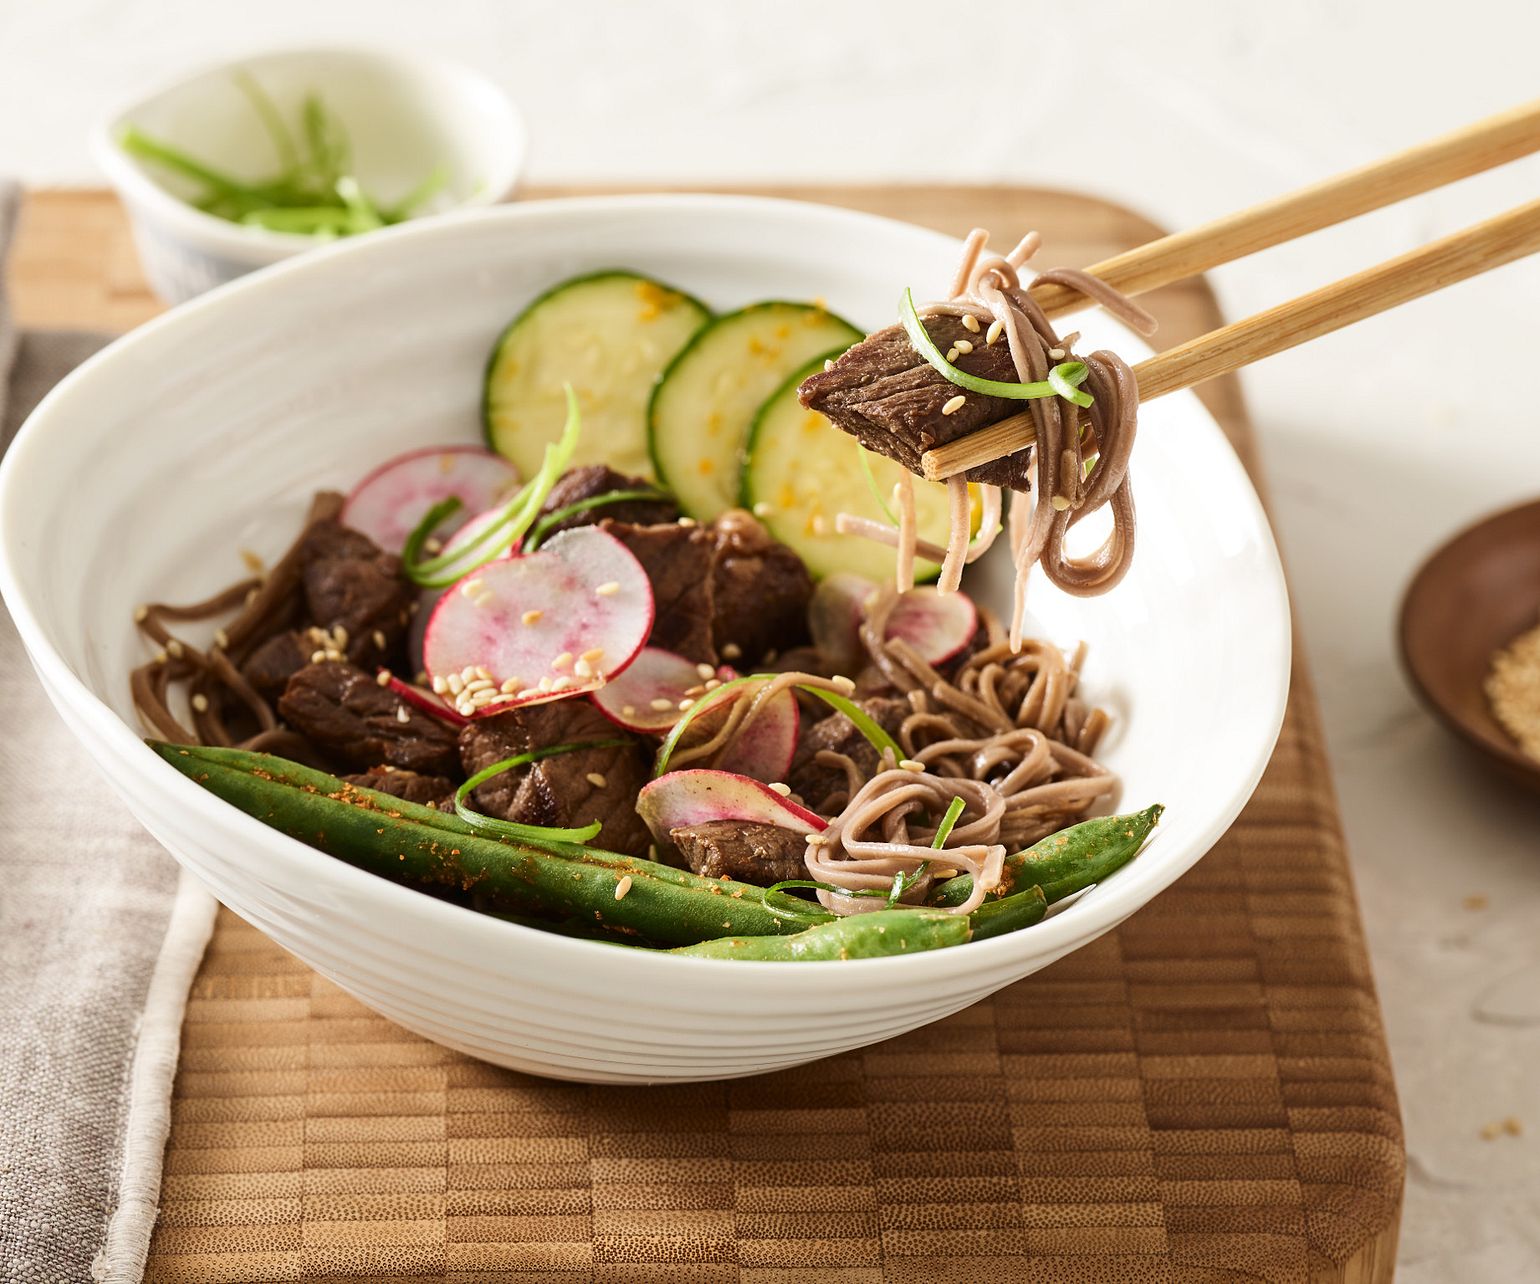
[207, 430]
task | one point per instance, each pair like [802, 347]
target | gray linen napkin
[99, 941]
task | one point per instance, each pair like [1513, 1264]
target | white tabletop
[1378, 441]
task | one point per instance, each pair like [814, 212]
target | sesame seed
[685, 704]
[340, 636]
[582, 669]
[433, 545]
[608, 589]
[480, 684]
[563, 661]
[713, 683]
[160, 656]
[688, 522]
[561, 683]
[763, 509]
[732, 651]
[200, 702]
[782, 789]
[595, 779]
[468, 672]
[465, 707]
[544, 684]
[909, 764]
[221, 639]
[994, 331]
[318, 657]
[531, 617]
[1060, 503]
[1056, 353]
[472, 588]
[954, 405]
[660, 704]
[705, 671]
[970, 322]
[456, 684]
[962, 345]
[440, 686]
[483, 599]
[629, 710]
[383, 677]
[403, 714]
[173, 647]
[510, 687]
[622, 887]
[820, 525]
[378, 638]
[141, 614]
[951, 355]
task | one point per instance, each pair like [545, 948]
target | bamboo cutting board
[1203, 1094]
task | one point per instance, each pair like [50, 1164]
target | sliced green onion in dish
[871, 482]
[902, 882]
[791, 907]
[1071, 374]
[544, 525]
[539, 834]
[514, 520]
[868, 726]
[948, 822]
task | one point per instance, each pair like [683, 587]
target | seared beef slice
[349, 715]
[349, 581]
[566, 790]
[762, 854]
[678, 560]
[759, 590]
[886, 396]
[839, 734]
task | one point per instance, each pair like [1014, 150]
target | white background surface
[1379, 440]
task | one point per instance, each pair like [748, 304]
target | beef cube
[889, 398]
[679, 562]
[569, 790]
[409, 786]
[759, 590]
[350, 582]
[348, 714]
[751, 853]
[594, 480]
[839, 734]
[269, 668]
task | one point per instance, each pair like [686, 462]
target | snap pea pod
[373, 832]
[1066, 861]
[1008, 914]
[879, 934]
[282, 771]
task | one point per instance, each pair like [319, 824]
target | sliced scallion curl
[879, 739]
[871, 481]
[544, 525]
[1071, 373]
[513, 521]
[954, 809]
[902, 882]
[538, 834]
[791, 907]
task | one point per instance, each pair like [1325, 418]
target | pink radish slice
[937, 625]
[765, 747]
[428, 598]
[834, 618]
[682, 798]
[389, 503]
[582, 592]
[426, 701]
[646, 697]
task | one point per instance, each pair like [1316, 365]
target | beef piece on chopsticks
[346, 713]
[567, 790]
[751, 853]
[885, 395]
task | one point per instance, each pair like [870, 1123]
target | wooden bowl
[1470, 599]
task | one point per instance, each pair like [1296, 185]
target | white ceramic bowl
[405, 113]
[205, 431]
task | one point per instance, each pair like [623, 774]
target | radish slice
[565, 617]
[426, 701]
[646, 697]
[834, 618]
[764, 748]
[938, 625]
[683, 798]
[429, 598]
[387, 505]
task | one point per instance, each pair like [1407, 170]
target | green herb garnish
[512, 829]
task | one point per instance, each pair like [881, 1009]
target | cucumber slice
[609, 334]
[802, 471]
[703, 407]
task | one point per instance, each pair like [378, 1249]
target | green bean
[384, 835]
[1008, 914]
[861, 936]
[1067, 861]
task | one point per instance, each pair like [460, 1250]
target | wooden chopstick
[1472, 150]
[1454, 258]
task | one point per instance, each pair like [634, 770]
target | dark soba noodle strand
[267, 605]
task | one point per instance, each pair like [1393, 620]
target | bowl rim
[137, 187]
[866, 978]
[1502, 752]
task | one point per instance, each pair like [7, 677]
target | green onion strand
[545, 834]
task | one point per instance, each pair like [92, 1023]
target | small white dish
[405, 113]
[207, 430]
